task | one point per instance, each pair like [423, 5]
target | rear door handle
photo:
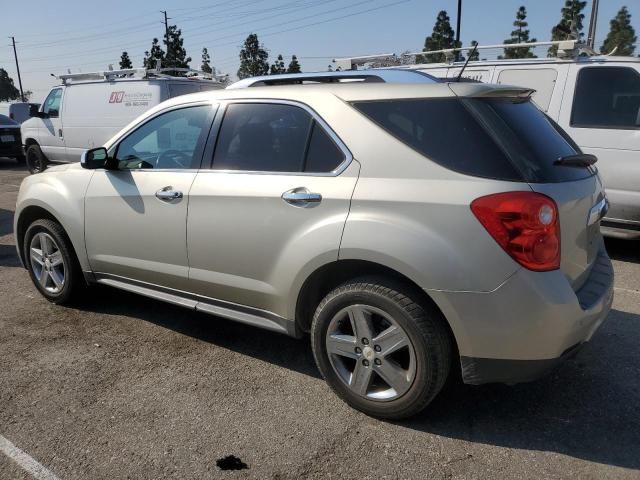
[168, 193]
[301, 197]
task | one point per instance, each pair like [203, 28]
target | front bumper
[528, 325]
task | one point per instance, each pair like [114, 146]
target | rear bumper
[11, 150]
[528, 325]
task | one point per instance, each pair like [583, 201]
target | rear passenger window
[607, 97]
[323, 154]
[269, 137]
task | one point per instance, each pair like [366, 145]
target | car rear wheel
[36, 161]
[380, 348]
[51, 262]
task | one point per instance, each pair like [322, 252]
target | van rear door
[601, 112]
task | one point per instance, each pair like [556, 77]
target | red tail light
[525, 225]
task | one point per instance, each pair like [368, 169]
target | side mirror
[34, 110]
[94, 158]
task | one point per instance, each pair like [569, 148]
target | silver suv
[407, 228]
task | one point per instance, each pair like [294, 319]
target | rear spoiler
[484, 90]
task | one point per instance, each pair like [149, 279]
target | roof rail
[142, 73]
[566, 49]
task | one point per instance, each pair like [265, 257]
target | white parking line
[25, 461]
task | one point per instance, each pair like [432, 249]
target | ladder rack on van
[566, 49]
[140, 73]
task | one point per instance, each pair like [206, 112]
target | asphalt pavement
[123, 386]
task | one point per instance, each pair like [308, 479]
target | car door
[50, 133]
[136, 212]
[271, 208]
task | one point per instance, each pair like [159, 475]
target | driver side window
[172, 140]
[52, 103]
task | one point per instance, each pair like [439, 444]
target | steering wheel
[180, 159]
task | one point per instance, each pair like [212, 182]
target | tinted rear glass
[504, 139]
[4, 120]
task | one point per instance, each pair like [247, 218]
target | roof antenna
[475, 47]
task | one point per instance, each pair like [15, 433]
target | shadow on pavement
[586, 409]
[8, 256]
[623, 250]
[6, 222]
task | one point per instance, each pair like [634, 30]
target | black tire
[36, 161]
[422, 323]
[73, 281]
[21, 159]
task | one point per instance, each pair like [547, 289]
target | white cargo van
[594, 98]
[87, 109]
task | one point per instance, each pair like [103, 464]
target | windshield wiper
[577, 160]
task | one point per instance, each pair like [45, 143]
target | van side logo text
[116, 97]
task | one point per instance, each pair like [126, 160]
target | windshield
[4, 120]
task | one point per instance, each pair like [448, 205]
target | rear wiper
[577, 160]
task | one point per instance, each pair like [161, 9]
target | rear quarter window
[503, 139]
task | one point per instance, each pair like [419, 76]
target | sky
[86, 35]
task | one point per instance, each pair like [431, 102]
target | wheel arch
[325, 278]
[26, 217]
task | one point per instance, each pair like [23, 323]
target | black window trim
[200, 147]
[572, 124]
[316, 119]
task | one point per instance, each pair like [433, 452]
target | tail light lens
[525, 225]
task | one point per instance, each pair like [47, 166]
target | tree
[294, 65]
[278, 67]
[8, 90]
[155, 57]
[125, 61]
[441, 38]
[206, 63]
[519, 35]
[473, 56]
[253, 58]
[176, 56]
[621, 34]
[570, 24]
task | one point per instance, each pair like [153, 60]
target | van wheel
[36, 161]
[51, 262]
[382, 351]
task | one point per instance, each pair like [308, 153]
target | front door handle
[301, 197]
[60, 132]
[168, 193]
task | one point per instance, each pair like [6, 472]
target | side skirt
[232, 311]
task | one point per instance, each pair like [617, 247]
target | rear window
[505, 139]
[4, 120]
[607, 97]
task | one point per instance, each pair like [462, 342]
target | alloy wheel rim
[47, 263]
[371, 353]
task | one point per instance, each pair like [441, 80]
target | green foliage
[278, 67]
[441, 38]
[621, 34]
[519, 35]
[253, 58]
[206, 62]
[125, 61]
[8, 91]
[153, 56]
[571, 20]
[176, 56]
[294, 65]
[473, 56]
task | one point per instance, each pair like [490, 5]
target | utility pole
[166, 29]
[458, 28]
[15, 54]
[591, 37]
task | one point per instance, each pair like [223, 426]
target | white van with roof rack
[594, 98]
[87, 109]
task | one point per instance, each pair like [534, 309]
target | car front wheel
[51, 262]
[380, 348]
